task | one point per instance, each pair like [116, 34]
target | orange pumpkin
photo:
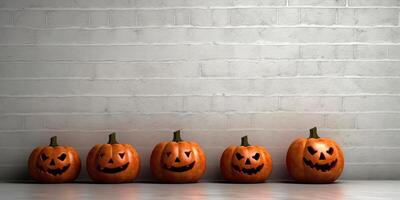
[314, 159]
[246, 163]
[178, 161]
[113, 162]
[54, 163]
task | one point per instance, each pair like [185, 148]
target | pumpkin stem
[245, 141]
[53, 141]
[313, 133]
[112, 138]
[177, 136]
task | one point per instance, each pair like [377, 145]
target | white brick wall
[218, 69]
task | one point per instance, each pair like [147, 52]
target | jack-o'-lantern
[246, 163]
[113, 162]
[178, 161]
[314, 159]
[54, 163]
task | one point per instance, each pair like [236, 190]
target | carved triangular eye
[62, 157]
[168, 154]
[238, 156]
[187, 153]
[44, 157]
[256, 156]
[330, 151]
[311, 150]
[121, 155]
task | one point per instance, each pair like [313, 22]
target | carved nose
[248, 162]
[322, 156]
[110, 161]
[52, 163]
[177, 160]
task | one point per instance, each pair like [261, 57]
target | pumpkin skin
[54, 163]
[314, 159]
[178, 161]
[246, 163]
[113, 162]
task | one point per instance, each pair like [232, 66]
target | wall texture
[218, 69]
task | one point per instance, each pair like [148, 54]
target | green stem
[313, 133]
[177, 136]
[112, 138]
[53, 141]
[245, 141]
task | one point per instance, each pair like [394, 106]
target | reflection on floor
[341, 190]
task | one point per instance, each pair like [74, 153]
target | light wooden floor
[342, 190]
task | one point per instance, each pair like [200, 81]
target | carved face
[178, 161]
[54, 164]
[320, 157]
[246, 163]
[314, 159]
[113, 162]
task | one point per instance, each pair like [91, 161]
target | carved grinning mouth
[248, 171]
[323, 168]
[180, 169]
[112, 170]
[55, 172]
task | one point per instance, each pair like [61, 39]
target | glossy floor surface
[342, 190]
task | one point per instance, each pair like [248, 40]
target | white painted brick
[341, 121]
[279, 52]
[201, 17]
[99, 18]
[123, 18]
[182, 16]
[371, 52]
[134, 70]
[144, 104]
[318, 16]
[332, 68]
[5, 18]
[156, 17]
[378, 121]
[215, 69]
[67, 19]
[239, 121]
[259, 2]
[309, 34]
[11, 122]
[330, 86]
[394, 52]
[317, 2]
[37, 70]
[371, 103]
[310, 104]
[377, 16]
[53, 105]
[262, 68]
[244, 104]
[287, 120]
[347, 17]
[308, 68]
[378, 35]
[374, 3]
[253, 16]
[196, 104]
[30, 18]
[368, 68]
[17, 36]
[327, 52]
[288, 16]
